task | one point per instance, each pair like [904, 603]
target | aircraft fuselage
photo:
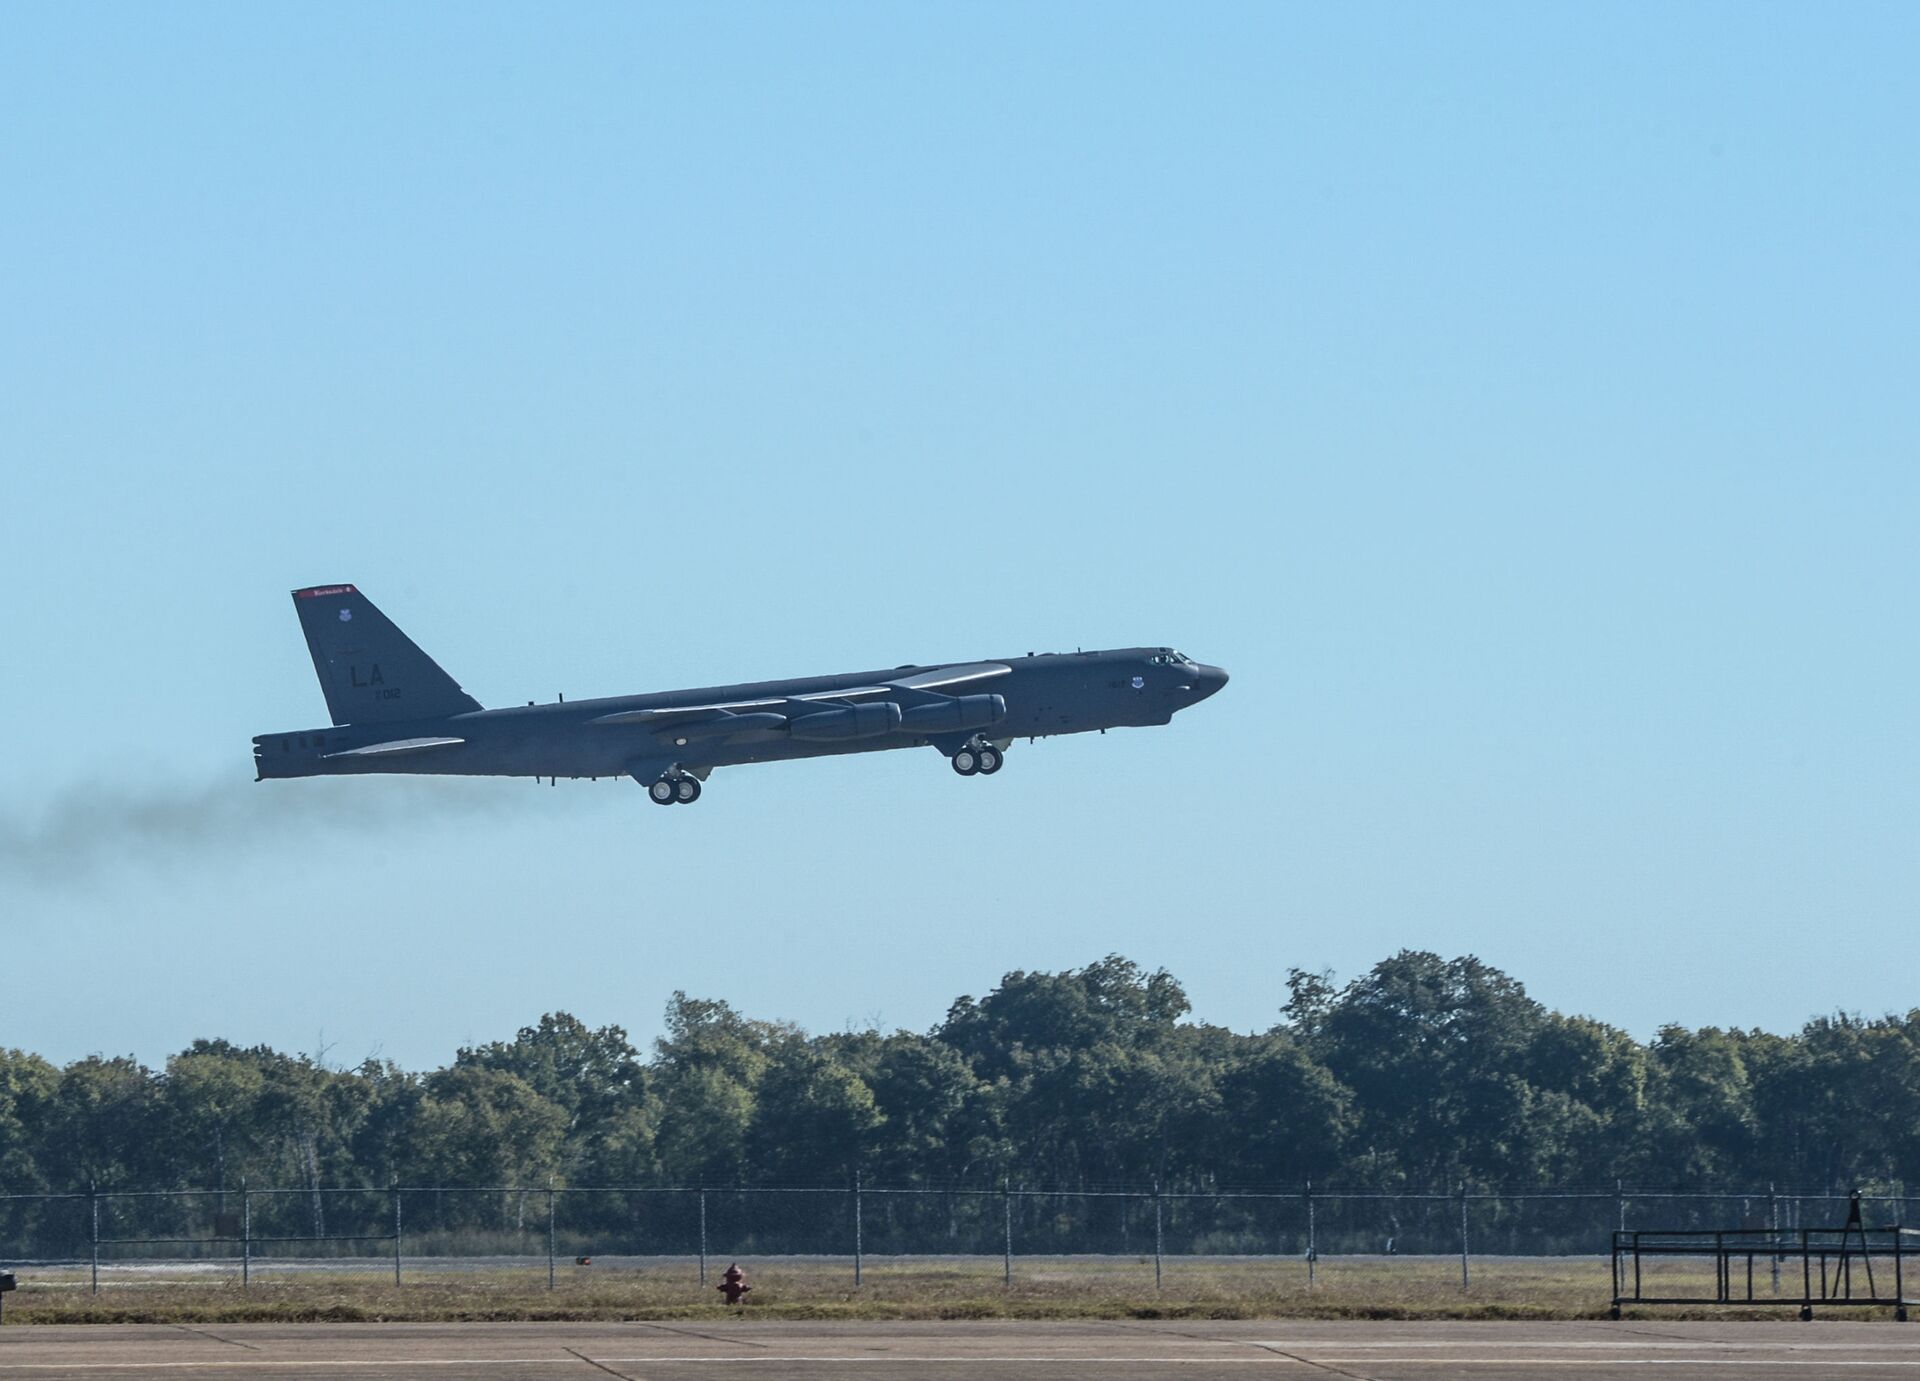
[1052, 693]
[375, 679]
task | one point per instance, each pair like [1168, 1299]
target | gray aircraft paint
[395, 711]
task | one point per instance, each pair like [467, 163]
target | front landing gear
[977, 759]
[676, 789]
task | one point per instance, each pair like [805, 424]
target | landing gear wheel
[966, 762]
[686, 790]
[663, 792]
[990, 761]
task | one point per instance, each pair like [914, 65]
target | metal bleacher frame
[1836, 1265]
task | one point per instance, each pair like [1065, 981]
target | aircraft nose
[1209, 680]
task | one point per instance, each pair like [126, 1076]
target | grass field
[822, 1288]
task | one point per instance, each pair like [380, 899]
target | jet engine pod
[854, 721]
[956, 714]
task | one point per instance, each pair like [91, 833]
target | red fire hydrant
[733, 1284]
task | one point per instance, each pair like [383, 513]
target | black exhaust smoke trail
[87, 830]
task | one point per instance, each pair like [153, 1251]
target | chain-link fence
[248, 1234]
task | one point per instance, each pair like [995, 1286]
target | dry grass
[892, 1288]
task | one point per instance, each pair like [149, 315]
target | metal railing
[1843, 1258]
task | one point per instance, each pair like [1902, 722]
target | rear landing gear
[674, 791]
[977, 759]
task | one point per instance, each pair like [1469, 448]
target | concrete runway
[874, 1351]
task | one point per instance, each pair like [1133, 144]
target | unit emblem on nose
[1139, 682]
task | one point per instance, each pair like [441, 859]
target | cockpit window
[1169, 658]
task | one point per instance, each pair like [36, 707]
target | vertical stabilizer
[370, 671]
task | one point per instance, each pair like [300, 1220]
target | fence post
[1006, 1206]
[550, 1236]
[1620, 1191]
[393, 1188]
[858, 1245]
[1313, 1247]
[703, 1236]
[1464, 1279]
[93, 1204]
[1773, 1218]
[1899, 1279]
[1158, 1242]
[246, 1236]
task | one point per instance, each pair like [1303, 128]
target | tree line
[1421, 1073]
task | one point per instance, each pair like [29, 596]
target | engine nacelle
[854, 721]
[956, 715]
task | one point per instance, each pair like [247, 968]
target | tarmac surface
[1110, 1351]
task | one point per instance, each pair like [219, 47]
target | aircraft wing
[940, 678]
[396, 745]
[722, 710]
[674, 714]
[728, 718]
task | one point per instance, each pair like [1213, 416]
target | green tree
[588, 1073]
[1587, 1116]
[28, 1087]
[1112, 1002]
[1839, 1106]
[210, 1100]
[1435, 1052]
[813, 1118]
[1703, 1128]
[377, 1142]
[707, 1069]
[941, 1122]
[1282, 1116]
[1098, 1082]
[99, 1126]
[478, 1126]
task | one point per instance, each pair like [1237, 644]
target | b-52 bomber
[395, 711]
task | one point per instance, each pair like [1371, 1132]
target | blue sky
[1517, 400]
